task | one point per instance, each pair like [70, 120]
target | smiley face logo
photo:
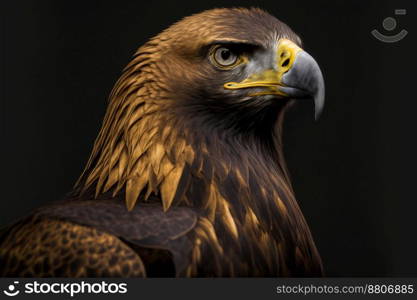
[390, 24]
[11, 290]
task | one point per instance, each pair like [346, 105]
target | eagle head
[237, 67]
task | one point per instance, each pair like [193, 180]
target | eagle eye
[224, 58]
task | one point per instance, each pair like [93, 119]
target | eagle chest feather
[250, 223]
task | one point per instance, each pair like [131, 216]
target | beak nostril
[285, 63]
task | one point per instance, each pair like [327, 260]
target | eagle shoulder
[42, 247]
[78, 238]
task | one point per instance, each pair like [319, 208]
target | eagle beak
[295, 75]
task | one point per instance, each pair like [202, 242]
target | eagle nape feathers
[187, 176]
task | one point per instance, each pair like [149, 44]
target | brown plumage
[174, 147]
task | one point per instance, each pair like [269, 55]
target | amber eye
[224, 57]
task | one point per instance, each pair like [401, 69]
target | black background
[353, 171]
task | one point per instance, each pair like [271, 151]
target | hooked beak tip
[306, 76]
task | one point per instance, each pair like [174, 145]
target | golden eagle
[187, 175]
